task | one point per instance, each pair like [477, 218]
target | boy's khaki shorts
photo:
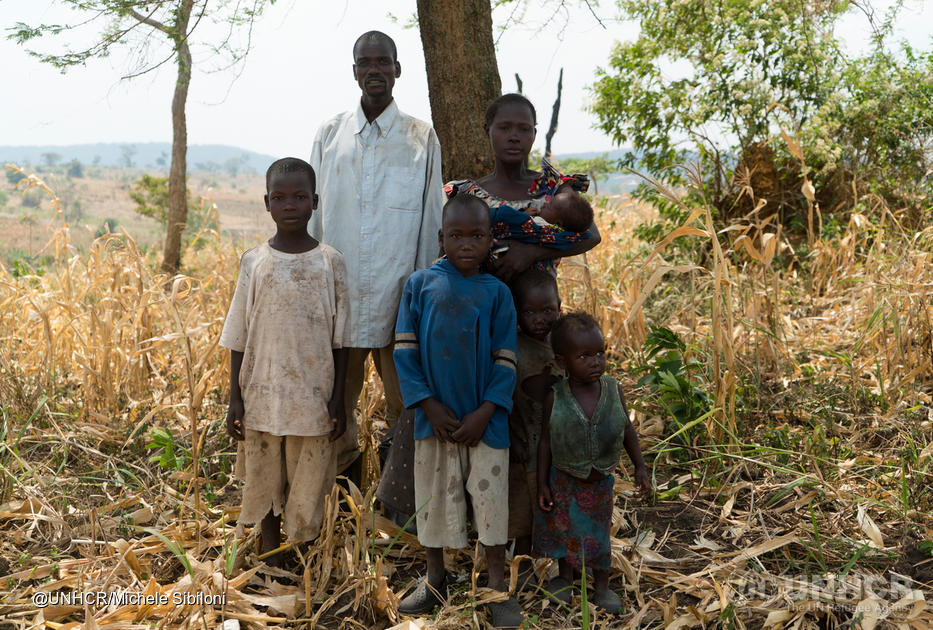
[445, 473]
[288, 474]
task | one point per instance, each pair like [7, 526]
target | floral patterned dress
[542, 189]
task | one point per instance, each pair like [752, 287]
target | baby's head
[537, 302]
[568, 209]
[579, 347]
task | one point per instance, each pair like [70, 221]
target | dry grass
[815, 459]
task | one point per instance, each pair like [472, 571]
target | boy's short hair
[375, 36]
[463, 200]
[290, 165]
[532, 279]
[569, 324]
[578, 216]
[512, 98]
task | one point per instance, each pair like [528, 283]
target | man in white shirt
[381, 196]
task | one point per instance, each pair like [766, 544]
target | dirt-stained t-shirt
[288, 313]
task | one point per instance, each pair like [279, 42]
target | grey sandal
[559, 590]
[506, 614]
[527, 580]
[608, 601]
[424, 598]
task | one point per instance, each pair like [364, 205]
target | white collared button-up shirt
[381, 197]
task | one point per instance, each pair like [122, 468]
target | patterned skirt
[577, 527]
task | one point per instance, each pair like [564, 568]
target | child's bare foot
[276, 560]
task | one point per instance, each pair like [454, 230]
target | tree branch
[593, 11]
[149, 68]
[148, 19]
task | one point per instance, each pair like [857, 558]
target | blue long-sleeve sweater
[455, 340]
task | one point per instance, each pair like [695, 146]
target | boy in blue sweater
[455, 345]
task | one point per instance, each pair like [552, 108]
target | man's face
[375, 69]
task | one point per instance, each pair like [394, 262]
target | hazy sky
[299, 73]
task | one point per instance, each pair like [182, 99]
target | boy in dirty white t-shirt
[285, 331]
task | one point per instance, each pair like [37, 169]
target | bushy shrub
[109, 226]
[733, 85]
[75, 169]
[150, 193]
[33, 198]
[14, 177]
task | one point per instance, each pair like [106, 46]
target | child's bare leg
[430, 591]
[435, 560]
[523, 546]
[271, 528]
[601, 579]
[507, 613]
[495, 562]
[564, 570]
[603, 597]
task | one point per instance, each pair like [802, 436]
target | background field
[791, 439]
[103, 193]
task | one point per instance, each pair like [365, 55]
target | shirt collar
[446, 266]
[383, 122]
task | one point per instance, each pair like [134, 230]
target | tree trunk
[177, 177]
[463, 77]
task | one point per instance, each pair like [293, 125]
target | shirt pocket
[404, 188]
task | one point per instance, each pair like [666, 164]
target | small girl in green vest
[585, 428]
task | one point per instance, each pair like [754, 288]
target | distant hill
[615, 183]
[201, 157]
[218, 158]
[613, 154]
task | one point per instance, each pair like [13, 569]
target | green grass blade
[174, 547]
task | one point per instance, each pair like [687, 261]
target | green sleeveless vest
[579, 443]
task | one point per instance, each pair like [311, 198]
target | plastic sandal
[559, 590]
[608, 601]
[424, 598]
[506, 614]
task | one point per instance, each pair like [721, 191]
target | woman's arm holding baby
[520, 256]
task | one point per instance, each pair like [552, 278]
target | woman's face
[512, 133]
